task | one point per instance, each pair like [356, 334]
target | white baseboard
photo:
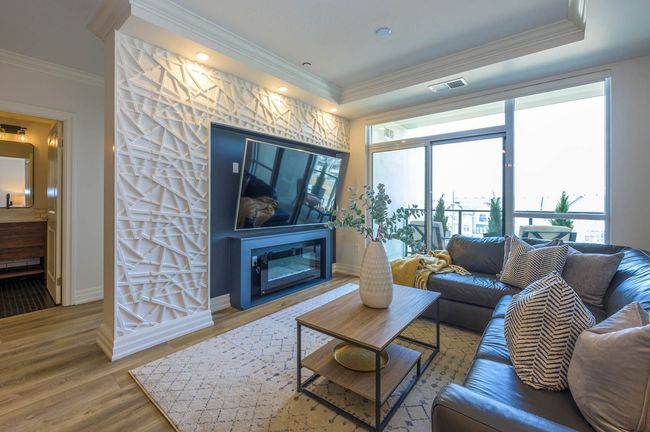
[219, 303]
[117, 348]
[87, 295]
[347, 269]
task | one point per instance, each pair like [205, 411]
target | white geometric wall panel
[164, 105]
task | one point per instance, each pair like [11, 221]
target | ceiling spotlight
[383, 31]
[283, 89]
[306, 64]
[334, 110]
[22, 133]
[202, 56]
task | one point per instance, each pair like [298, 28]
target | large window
[408, 166]
[559, 159]
[535, 166]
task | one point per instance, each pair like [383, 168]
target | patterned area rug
[244, 380]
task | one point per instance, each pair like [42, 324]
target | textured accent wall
[164, 104]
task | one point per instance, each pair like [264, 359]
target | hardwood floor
[54, 377]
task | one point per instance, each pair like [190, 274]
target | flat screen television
[282, 186]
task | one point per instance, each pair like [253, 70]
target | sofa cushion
[630, 283]
[499, 381]
[478, 288]
[542, 325]
[493, 344]
[590, 274]
[527, 264]
[482, 255]
[609, 375]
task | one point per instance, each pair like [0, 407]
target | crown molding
[110, 16]
[577, 12]
[175, 18]
[549, 36]
[38, 65]
[170, 16]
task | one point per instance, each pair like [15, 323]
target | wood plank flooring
[54, 377]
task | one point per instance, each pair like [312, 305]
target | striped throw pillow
[526, 264]
[541, 326]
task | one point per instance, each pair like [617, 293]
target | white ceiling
[338, 37]
[613, 33]
[52, 30]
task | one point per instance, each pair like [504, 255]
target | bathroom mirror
[16, 174]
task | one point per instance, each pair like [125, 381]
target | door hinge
[59, 281]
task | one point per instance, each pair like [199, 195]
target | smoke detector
[448, 85]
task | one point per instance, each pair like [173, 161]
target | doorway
[458, 178]
[467, 187]
[31, 179]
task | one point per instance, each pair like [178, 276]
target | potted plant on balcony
[439, 215]
[368, 214]
[563, 206]
[495, 220]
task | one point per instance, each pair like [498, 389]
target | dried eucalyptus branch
[381, 226]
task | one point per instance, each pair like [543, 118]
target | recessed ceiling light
[383, 31]
[202, 56]
[334, 110]
[283, 89]
[306, 64]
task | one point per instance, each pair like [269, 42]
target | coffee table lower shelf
[400, 363]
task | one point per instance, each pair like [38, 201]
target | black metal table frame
[380, 424]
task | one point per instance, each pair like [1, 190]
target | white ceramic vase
[376, 279]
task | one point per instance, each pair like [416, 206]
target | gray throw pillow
[541, 326]
[590, 274]
[609, 374]
[527, 264]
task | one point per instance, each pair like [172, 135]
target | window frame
[507, 132]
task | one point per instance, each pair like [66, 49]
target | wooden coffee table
[347, 319]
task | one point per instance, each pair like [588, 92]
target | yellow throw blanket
[414, 270]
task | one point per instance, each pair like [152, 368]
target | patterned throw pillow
[541, 326]
[527, 264]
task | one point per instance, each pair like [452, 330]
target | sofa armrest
[457, 408]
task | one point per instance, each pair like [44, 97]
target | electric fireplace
[285, 266]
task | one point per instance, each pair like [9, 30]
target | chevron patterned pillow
[542, 324]
[526, 264]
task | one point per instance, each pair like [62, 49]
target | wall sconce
[20, 131]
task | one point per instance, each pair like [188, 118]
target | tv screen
[282, 186]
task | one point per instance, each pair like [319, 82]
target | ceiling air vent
[448, 85]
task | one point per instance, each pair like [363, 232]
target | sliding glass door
[467, 187]
[456, 178]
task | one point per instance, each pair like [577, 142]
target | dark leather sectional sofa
[492, 397]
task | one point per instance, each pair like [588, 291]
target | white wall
[28, 87]
[630, 157]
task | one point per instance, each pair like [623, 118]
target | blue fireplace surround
[244, 253]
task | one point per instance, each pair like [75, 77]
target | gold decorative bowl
[358, 359]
